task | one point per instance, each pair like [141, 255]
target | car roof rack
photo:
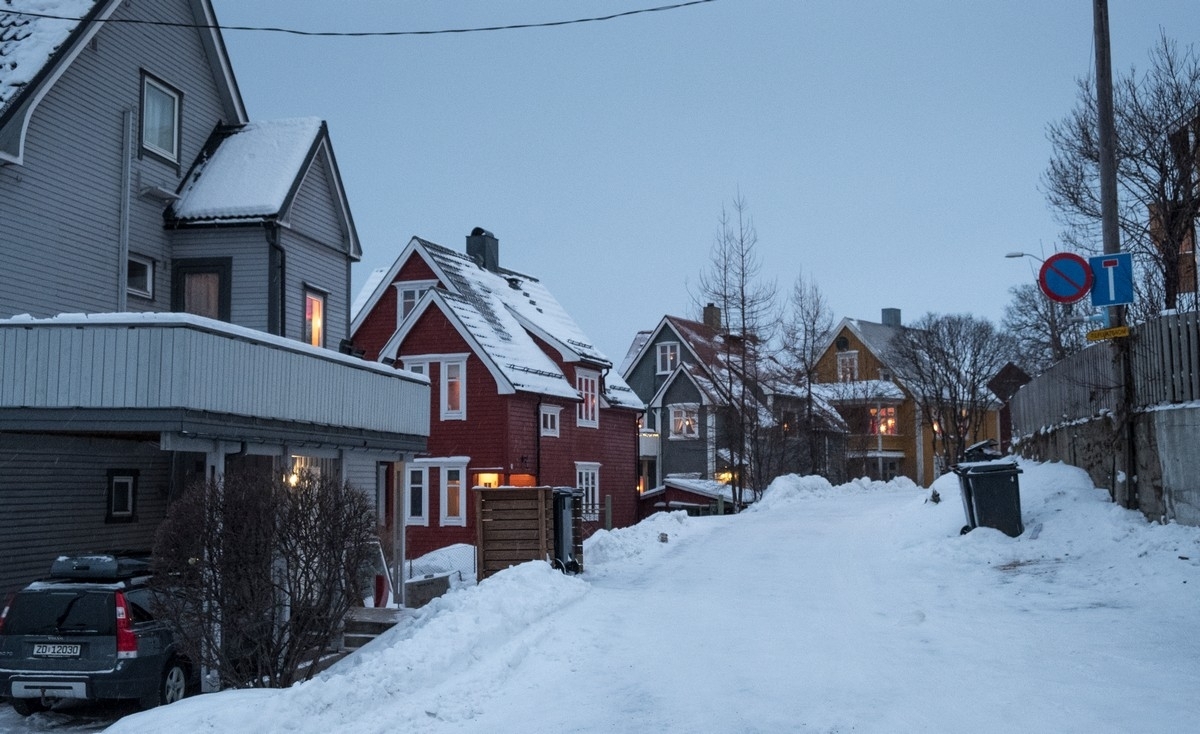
[99, 566]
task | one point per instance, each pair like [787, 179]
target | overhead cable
[364, 34]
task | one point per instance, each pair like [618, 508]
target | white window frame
[419, 366]
[122, 483]
[587, 478]
[459, 413]
[176, 98]
[421, 520]
[445, 519]
[667, 357]
[549, 420]
[587, 412]
[681, 412]
[148, 264]
[314, 326]
[417, 288]
[847, 366]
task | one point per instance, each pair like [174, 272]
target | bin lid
[983, 467]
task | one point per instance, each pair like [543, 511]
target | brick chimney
[712, 316]
[484, 249]
[891, 317]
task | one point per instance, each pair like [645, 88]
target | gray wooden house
[683, 370]
[175, 296]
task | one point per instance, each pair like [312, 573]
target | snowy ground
[851, 609]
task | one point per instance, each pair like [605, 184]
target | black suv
[88, 632]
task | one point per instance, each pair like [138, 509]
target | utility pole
[1112, 235]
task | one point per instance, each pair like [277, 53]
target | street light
[1024, 254]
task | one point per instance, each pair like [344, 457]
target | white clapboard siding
[181, 363]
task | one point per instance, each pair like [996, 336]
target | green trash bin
[991, 496]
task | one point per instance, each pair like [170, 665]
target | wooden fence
[1165, 364]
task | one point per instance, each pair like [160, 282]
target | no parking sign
[1065, 277]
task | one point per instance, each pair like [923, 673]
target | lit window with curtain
[883, 421]
[454, 496]
[587, 412]
[685, 421]
[314, 318]
[453, 386]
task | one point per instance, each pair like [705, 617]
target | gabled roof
[703, 342]
[252, 172]
[710, 392]
[875, 336]
[506, 350]
[503, 311]
[40, 38]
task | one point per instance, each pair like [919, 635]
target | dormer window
[847, 366]
[668, 357]
[161, 105]
[407, 295]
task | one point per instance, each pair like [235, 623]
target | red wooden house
[520, 396]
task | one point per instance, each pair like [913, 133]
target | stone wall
[1168, 462]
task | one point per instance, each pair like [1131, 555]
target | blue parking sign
[1112, 284]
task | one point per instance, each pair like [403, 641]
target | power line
[364, 34]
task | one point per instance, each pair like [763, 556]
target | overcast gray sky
[891, 150]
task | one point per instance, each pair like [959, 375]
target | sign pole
[1108, 210]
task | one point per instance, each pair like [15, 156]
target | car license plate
[45, 650]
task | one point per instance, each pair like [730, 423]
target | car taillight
[126, 639]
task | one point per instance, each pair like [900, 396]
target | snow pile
[613, 551]
[865, 597]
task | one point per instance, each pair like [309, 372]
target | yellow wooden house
[888, 435]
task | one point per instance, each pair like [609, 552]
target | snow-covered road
[851, 609]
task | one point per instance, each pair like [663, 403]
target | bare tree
[806, 332]
[946, 362]
[733, 282]
[258, 573]
[1043, 331]
[1157, 120]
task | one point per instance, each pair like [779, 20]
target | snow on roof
[368, 289]
[702, 487]
[28, 42]
[516, 355]
[858, 391]
[635, 347]
[508, 306]
[251, 172]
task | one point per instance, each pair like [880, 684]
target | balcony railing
[157, 361]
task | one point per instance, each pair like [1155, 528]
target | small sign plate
[1115, 332]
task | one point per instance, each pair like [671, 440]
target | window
[587, 478]
[407, 295]
[587, 383]
[454, 399]
[202, 287]
[549, 419]
[314, 318]
[139, 276]
[122, 495]
[685, 422]
[847, 366]
[454, 496]
[668, 357]
[883, 421]
[160, 118]
[416, 493]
